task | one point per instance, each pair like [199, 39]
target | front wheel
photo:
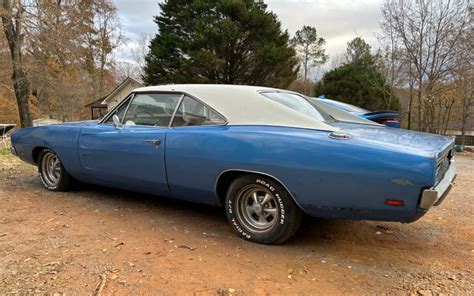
[53, 175]
[261, 210]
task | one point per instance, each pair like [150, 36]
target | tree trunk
[410, 106]
[447, 118]
[21, 85]
[306, 60]
[22, 90]
[463, 133]
[464, 117]
[420, 106]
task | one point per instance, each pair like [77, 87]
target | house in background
[98, 110]
[101, 106]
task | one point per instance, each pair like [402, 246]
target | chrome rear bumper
[435, 195]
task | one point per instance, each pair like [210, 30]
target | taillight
[395, 202]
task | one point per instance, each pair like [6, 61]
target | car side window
[151, 109]
[120, 112]
[193, 113]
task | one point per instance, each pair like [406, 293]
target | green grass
[4, 151]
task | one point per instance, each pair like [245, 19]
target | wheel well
[226, 178]
[224, 181]
[36, 153]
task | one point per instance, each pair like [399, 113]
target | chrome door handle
[155, 142]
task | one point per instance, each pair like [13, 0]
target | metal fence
[468, 140]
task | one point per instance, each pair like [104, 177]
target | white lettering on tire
[280, 202]
[239, 230]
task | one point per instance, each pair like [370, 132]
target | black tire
[271, 222]
[61, 181]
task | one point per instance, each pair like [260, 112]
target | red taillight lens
[395, 202]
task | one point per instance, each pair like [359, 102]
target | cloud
[137, 16]
[338, 21]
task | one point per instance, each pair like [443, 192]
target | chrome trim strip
[111, 112]
[128, 107]
[260, 173]
[176, 110]
[436, 194]
[185, 94]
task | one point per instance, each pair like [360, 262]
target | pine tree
[219, 41]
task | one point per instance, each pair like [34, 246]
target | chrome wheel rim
[257, 208]
[51, 169]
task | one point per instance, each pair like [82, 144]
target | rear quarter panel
[328, 178]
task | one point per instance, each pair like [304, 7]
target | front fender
[62, 139]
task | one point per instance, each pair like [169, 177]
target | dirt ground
[95, 238]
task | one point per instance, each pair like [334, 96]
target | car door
[132, 155]
[192, 148]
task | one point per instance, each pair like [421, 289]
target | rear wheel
[53, 175]
[261, 210]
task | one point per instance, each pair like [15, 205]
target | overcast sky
[338, 21]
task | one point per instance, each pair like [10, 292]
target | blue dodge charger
[266, 155]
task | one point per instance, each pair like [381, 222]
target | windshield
[295, 102]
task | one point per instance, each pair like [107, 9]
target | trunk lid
[430, 145]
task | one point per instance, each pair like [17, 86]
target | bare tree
[109, 35]
[410, 80]
[310, 49]
[428, 32]
[140, 51]
[463, 76]
[391, 63]
[5, 64]
[467, 103]
[124, 69]
[12, 20]
[62, 53]
[337, 61]
[52, 45]
[102, 37]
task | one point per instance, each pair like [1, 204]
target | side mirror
[117, 123]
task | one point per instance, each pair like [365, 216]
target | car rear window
[344, 106]
[295, 102]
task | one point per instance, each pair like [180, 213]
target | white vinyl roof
[244, 105]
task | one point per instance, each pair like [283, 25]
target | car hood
[429, 145]
[84, 122]
[64, 124]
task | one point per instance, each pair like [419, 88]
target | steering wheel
[145, 112]
[158, 121]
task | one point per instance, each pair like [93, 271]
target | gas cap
[339, 135]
